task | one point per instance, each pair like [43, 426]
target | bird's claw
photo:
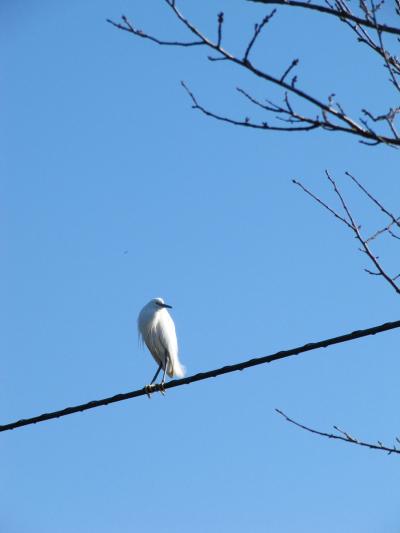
[148, 389]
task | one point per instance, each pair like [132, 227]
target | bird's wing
[155, 346]
[149, 336]
[167, 335]
[168, 341]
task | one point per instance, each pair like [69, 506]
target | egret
[157, 331]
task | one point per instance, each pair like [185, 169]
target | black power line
[203, 375]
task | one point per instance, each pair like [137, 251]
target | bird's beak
[166, 305]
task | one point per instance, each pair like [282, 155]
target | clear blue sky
[113, 190]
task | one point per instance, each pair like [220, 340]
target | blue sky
[114, 191]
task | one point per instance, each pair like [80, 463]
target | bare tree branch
[391, 62]
[246, 122]
[348, 219]
[343, 436]
[331, 115]
[340, 13]
[130, 29]
[388, 117]
[381, 231]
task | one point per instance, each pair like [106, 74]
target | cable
[204, 375]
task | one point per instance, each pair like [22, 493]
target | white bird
[157, 331]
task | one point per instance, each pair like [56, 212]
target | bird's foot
[148, 390]
[162, 388]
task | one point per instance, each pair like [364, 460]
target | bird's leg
[162, 389]
[149, 387]
[148, 390]
[156, 374]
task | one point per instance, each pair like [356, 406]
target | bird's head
[159, 303]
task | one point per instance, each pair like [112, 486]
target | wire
[203, 375]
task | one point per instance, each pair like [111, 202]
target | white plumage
[157, 331]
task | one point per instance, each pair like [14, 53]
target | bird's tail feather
[175, 369]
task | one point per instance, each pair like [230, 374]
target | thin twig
[382, 230]
[319, 201]
[257, 30]
[345, 437]
[395, 220]
[293, 64]
[388, 117]
[220, 23]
